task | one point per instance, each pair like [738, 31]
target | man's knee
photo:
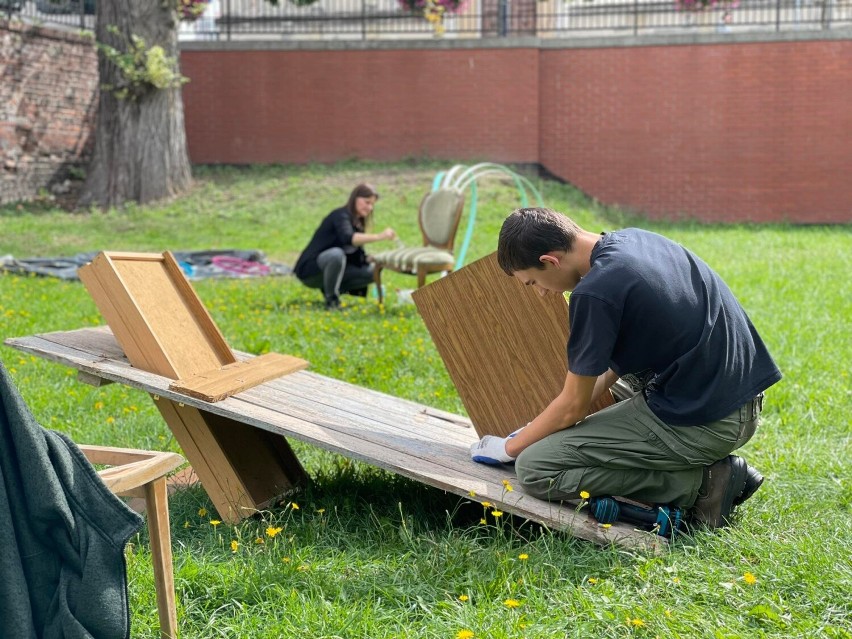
[536, 478]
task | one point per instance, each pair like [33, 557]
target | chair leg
[157, 511]
[377, 279]
[421, 277]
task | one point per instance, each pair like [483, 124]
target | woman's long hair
[362, 190]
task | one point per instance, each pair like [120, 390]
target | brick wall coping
[42, 31]
[523, 42]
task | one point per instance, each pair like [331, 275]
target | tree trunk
[140, 144]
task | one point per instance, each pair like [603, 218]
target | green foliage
[370, 554]
[142, 68]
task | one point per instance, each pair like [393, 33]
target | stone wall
[48, 100]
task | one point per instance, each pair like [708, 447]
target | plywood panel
[503, 344]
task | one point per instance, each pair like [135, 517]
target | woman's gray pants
[336, 276]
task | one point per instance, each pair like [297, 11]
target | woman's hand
[359, 239]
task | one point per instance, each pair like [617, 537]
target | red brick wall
[719, 132]
[48, 100]
[758, 131]
[305, 106]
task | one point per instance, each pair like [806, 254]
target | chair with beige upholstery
[438, 216]
[142, 473]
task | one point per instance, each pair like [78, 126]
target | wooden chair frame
[142, 473]
[423, 271]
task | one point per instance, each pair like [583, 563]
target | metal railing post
[228, 21]
[778, 15]
[635, 17]
[502, 18]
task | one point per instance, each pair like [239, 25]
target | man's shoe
[721, 484]
[753, 481]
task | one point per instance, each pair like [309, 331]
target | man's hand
[491, 450]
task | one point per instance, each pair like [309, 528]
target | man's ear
[549, 258]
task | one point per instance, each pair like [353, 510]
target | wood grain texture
[163, 327]
[394, 434]
[503, 344]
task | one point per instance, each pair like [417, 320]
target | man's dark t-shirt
[336, 229]
[651, 308]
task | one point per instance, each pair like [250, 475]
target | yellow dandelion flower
[750, 579]
[272, 531]
[320, 510]
[606, 525]
[523, 556]
[202, 512]
[465, 634]
[215, 522]
[294, 505]
[593, 580]
[668, 613]
[584, 494]
[636, 623]
[511, 603]
[482, 521]
[235, 545]
[487, 504]
[507, 485]
[303, 568]
[463, 597]
[286, 560]
[496, 513]
[186, 524]
[99, 405]
[471, 493]
[675, 580]
[110, 420]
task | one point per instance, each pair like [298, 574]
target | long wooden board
[397, 435]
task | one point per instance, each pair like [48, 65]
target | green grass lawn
[362, 553]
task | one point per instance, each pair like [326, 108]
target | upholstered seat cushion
[409, 259]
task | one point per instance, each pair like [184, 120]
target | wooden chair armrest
[129, 467]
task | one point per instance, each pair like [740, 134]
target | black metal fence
[392, 20]
[73, 14]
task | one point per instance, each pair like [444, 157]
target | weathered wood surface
[397, 435]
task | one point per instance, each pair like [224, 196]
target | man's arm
[604, 383]
[569, 407]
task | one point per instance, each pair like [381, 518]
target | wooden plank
[503, 344]
[216, 385]
[425, 449]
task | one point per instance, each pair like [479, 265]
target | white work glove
[492, 450]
